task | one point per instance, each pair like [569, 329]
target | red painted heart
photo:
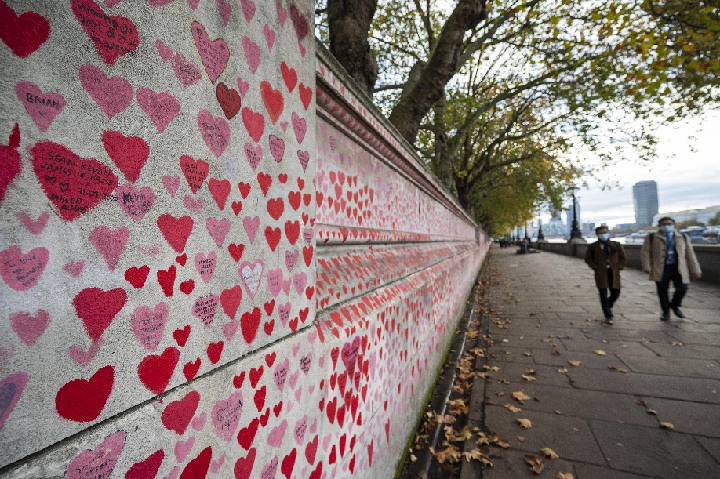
[24, 33]
[97, 308]
[129, 153]
[273, 100]
[155, 371]
[10, 161]
[74, 185]
[177, 414]
[229, 100]
[113, 36]
[175, 230]
[83, 400]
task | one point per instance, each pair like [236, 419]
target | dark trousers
[606, 301]
[671, 273]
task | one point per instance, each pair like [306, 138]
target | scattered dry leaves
[549, 453]
[564, 475]
[600, 352]
[535, 463]
[574, 362]
[617, 368]
[520, 396]
[667, 425]
[529, 378]
[512, 408]
[525, 423]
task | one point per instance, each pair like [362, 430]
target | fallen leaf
[575, 362]
[564, 475]
[618, 369]
[562, 370]
[521, 438]
[512, 408]
[651, 411]
[529, 378]
[526, 423]
[549, 453]
[667, 425]
[600, 352]
[535, 463]
[413, 458]
[521, 396]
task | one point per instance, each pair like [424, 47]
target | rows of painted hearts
[162, 191]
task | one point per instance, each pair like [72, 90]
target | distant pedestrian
[607, 259]
[669, 256]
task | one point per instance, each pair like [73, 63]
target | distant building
[588, 229]
[626, 226]
[696, 215]
[556, 227]
[645, 199]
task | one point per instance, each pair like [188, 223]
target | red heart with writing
[273, 100]
[195, 171]
[249, 324]
[155, 370]
[147, 468]
[97, 308]
[175, 230]
[177, 414]
[113, 36]
[229, 100]
[10, 161]
[129, 153]
[83, 400]
[23, 34]
[74, 185]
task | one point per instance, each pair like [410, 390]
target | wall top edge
[332, 78]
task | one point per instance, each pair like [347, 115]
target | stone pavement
[640, 398]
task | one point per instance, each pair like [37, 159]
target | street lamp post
[575, 232]
[540, 235]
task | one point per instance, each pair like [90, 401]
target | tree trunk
[442, 65]
[349, 24]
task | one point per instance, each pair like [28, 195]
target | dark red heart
[129, 153]
[177, 414]
[24, 33]
[113, 36]
[83, 400]
[97, 308]
[156, 370]
[229, 100]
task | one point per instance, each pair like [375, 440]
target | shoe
[665, 316]
[678, 312]
[609, 320]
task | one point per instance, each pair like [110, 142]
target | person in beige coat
[668, 256]
[606, 258]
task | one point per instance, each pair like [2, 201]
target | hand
[695, 275]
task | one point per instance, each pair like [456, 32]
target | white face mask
[603, 236]
[668, 228]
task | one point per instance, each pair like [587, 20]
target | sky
[687, 172]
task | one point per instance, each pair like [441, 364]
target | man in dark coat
[607, 259]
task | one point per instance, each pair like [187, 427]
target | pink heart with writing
[218, 229]
[205, 265]
[162, 108]
[291, 259]
[42, 107]
[300, 429]
[284, 312]
[252, 53]
[172, 183]
[251, 273]
[300, 281]
[304, 158]
[299, 127]
[205, 307]
[270, 469]
[74, 268]
[34, 226]
[148, 324]
[275, 281]
[135, 202]
[110, 243]
[21, 271]
[112, 95]
[213, 53]
[253, 155]
[281, 372]
[226, 416]
[28, 327]
[277, 147]
[83, 357]
[98, 462]
[251, 225]
[215, 132]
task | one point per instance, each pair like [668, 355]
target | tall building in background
[645, 199]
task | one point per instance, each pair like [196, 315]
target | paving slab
[691, 417]
[510, 464]
[711, 445]
[653, 451]
[591, 471]
[673, 366]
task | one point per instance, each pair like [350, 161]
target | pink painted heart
[193, 205]
[253, 155]
[21, 271]
[217, 464]
[299, 127]
[277, 434]
[248, 9]
[205, 265]
[215, 132]
[281, 372]
[252, 53]
[136, 203]
[42, 107]
[35, 226]
[205, 308]
[251, 225]
[225, 10]
[171, 183]
[28, 327]
[229, 329]
[159, 3]
[198, 423]
[254, 123]
[284, 312]
[11, 389]
[112, 36]
[129, 153]
[300, 429]
[148, 324]
[242, 86]
[193, 4]
[185, 71]
[98, 462]
[281, 13]
[110, 243]
[74, 268]
[251, 273]
[213, 53]
[218, 229]
[275, 281]
[112, 95]
[226, 416]
[269, 36]
[299, 282]
[304, 158]
[291, 259]
[83, 357]
[162, 108]
[183, 448]
[277, 147]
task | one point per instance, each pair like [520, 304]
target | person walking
[607, 259]
[668, 256]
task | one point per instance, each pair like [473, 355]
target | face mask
[604, 236]
[668, 228]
